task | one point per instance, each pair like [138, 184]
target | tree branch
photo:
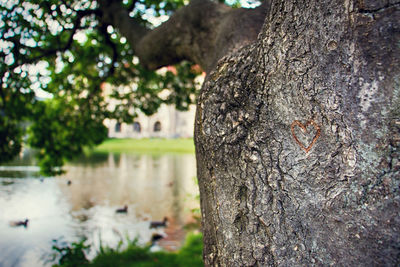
[201, 32]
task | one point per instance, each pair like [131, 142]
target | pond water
[152, 187]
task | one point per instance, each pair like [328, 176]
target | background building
[166, 123]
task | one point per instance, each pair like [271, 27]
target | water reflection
[151, 186]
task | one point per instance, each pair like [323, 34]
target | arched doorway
[137, 127]
[157, 126]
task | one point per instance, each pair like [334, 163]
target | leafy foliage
[63, 50]
[71, 255]
[61, 130]
[10, 136]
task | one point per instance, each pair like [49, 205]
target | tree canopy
[56, 57]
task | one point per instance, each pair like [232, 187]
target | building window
[157, 126]
[136, 127]
[118, 127]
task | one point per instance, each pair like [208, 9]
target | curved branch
[201, 32]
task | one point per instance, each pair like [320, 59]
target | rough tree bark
[297, 140]
[297, 132]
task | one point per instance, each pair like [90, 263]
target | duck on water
[20, 223]
[122, 210]
[156, 224]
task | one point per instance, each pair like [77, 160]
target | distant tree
[298, 121]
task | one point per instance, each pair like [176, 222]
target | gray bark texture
[298, 140]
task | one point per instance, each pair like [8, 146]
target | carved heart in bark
[304, 128]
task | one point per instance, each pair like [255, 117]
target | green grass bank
[190, 255]
[147, 145]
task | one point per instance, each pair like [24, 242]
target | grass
[190, 255]
[148, 146]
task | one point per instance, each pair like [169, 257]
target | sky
[245, 3]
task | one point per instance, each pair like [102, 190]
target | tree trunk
[298, 140]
